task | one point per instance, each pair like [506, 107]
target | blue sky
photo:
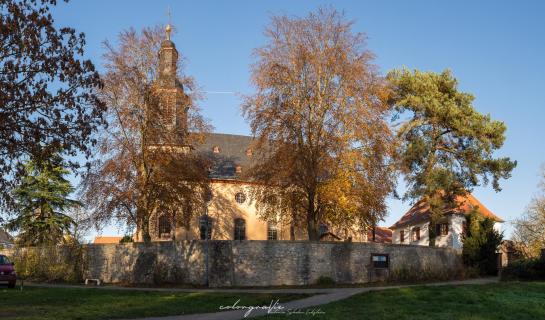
[496, 49]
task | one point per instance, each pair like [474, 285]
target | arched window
[205, 227]
[164, 226]
[272, 231]
[240, 229]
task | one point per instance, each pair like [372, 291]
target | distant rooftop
[106, 240]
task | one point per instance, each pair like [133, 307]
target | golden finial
[168, 28]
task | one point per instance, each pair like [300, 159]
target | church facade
[230, 214]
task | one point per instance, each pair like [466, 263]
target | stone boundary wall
[258, 263]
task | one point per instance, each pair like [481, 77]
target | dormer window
[216, 149]
[249, 152]
[238, 169]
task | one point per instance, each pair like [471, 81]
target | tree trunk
[313, 230]
[313, 227]
[292, 232]
[143, 221]
[431, 232]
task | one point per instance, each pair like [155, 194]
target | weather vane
[168, 28]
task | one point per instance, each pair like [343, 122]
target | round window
[240, 197]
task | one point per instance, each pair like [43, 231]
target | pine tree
[446, 147]
[41, 200]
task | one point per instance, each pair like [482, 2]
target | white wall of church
[224, 209]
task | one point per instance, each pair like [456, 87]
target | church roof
[227, 152]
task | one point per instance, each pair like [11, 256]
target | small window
[240, 197]
[441, 229]
[402, 236]
[444, 229]
[216, 149]
[205, 227]
[272, 231]
[249, 152]
[416, 234]
[238, 169]
[164, 226]
[380, 261]
[240, 229]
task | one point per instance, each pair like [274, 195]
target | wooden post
[543, 255]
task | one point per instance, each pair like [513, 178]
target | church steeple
[168, 59]
[167, 114]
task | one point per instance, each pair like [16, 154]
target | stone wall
[258, 263]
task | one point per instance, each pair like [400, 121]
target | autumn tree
[48, 102]
[529, 229]
[446, 146]
[318, 115]
[42, 202]
[144, 162]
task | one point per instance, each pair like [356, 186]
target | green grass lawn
[61, 303]
[507, 300]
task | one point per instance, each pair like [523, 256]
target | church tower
[166, 115]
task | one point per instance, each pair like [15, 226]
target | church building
[230, 214]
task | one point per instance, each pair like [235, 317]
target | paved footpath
[323, 296]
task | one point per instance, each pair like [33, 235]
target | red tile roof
[106, 240]
[420, 211]
[382, 234]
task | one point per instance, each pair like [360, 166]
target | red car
[7, 272]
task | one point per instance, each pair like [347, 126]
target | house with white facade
[413, 227]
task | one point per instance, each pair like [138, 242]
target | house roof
[382, 235]
[5, 237]
[232, 153]
[420, 211]
[106, 240]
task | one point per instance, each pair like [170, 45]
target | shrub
[530, 269]
[480, 245]
[409, 275]
[52, 263]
